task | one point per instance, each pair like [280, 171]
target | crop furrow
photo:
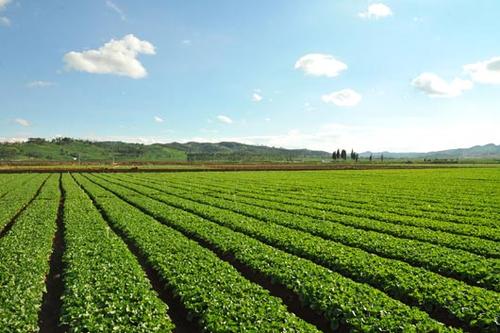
[359, 190]
[471, 244]
[13, 185]
[457, 264]
[105, 288]
[176, 310]
[309, 206]
[291, 301]
[213, 291]
[8, 226]
[24, 262]
[346, 200]
[49, 317]
[433, 293]
[342, 301]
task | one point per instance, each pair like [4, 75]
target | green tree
[8, 152]
[343, 154]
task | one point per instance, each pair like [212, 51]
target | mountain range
[68, 149]
[488, 151]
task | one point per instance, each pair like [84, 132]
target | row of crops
[358, 251]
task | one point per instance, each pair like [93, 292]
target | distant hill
[67, 149]
[234, 151]
[489, 151]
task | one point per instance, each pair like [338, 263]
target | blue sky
[411, 75]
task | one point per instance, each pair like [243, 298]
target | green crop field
[280, 251]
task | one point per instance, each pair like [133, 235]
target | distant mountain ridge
[238, 151]
[485, 151]
[68, 149]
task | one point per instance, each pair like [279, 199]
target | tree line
[342, 155]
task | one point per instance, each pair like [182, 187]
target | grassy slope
[67, 150]
[93, 152]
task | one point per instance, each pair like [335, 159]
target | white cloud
[158, 119]
[256, 97]
[4, 21]
[117, 57]
[4, 3]
[114, 7]
[224, 119]
[39, 84]
[317, 64]
[485, 71]
[376, 11]
[186, 42]
[434, 86]
[22, 122]
[344, 97]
